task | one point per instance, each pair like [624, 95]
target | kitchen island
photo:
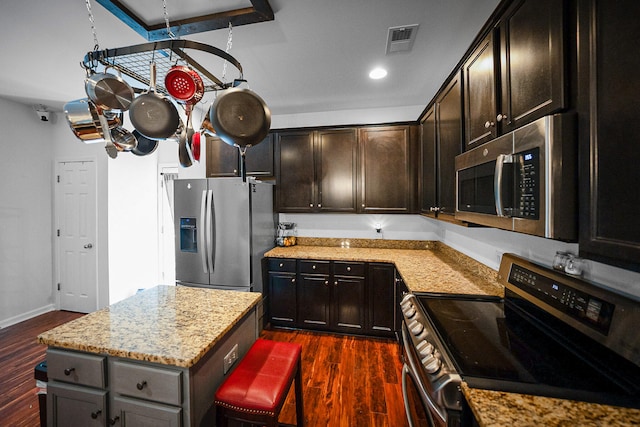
[156, 356]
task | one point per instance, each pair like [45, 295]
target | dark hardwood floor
[19, 355]
[348, 381]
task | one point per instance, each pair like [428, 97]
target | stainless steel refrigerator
[223, 227]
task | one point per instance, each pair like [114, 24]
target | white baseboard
[26, 316]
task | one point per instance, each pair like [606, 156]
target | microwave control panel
[527, 180]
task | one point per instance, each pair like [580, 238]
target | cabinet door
[282, 298]
[382, 301]
[133, 413]
[295, 171]
[336, 161]
[349, 304]
[70, 406]
[222, 159]
[428, 165]
[531, 62]
[315, 301]
[449, 138]
[610, 154]
[259, 158]
[479, 94]
[387, 183]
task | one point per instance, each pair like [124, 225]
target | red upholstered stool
[256, 390]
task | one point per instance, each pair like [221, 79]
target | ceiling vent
[400, 39]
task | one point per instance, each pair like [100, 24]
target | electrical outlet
[230, 358]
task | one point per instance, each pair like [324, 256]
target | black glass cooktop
[494, 346]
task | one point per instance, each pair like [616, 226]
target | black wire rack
[134, 61]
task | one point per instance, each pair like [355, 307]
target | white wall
[26, 175]
[486, 245]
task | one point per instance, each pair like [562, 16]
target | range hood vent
[400, 39]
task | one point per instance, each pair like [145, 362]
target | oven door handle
[424, 395]
[405, 396]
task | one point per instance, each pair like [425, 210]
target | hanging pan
[145, 145]
[153, 115]
[108, 91]
[240, 117]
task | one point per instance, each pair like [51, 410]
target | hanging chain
[229, 40]
[166, 20]
[93, 26]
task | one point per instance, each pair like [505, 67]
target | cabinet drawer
[341, 268]
[281, 264]
[146, 382]
[76, 368]
[315, 267]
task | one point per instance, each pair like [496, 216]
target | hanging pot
[123, 139]
[240, 117]
[108, 91]
[145, 145]
[83, 119]
[153, 115]
[184, 84]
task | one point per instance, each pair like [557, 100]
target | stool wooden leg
[299, 403]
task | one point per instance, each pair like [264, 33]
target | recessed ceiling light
[378, 73]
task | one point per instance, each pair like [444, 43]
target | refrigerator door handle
[202, 238]
[211, 223]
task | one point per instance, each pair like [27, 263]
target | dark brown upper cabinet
[295, 172]
[316, 171]
[388, 175]
[441, 142]
[532, 62]
[223, 160]
[608, 131]
[517, 73]
[480, 93]
[428, 165]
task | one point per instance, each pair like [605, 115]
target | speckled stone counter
[497, 409]
[424, 266]
[172, 325]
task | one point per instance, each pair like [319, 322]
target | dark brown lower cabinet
[348, 297]
[382, 298]
[282, 299]
[314, 290]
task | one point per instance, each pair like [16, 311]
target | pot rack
[134, 61]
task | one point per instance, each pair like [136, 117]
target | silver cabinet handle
[348, 268]
[310, 205]
[313, 267]
[488, 124]
[501, 117]
[88, 246]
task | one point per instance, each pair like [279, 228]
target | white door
[76, 236]
[166, 252]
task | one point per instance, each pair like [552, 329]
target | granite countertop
[500, 409]
[171, 325]
[424, 266]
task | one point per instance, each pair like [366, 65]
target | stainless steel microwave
[524, 181]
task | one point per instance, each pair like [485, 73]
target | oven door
[421, 410]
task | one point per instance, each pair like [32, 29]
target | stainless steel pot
[83, 119]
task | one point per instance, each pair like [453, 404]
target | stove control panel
[585, 308]
[415, 321]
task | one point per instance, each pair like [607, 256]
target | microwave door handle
[497, 183]
[202, 231]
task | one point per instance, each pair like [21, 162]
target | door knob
[88, 246]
